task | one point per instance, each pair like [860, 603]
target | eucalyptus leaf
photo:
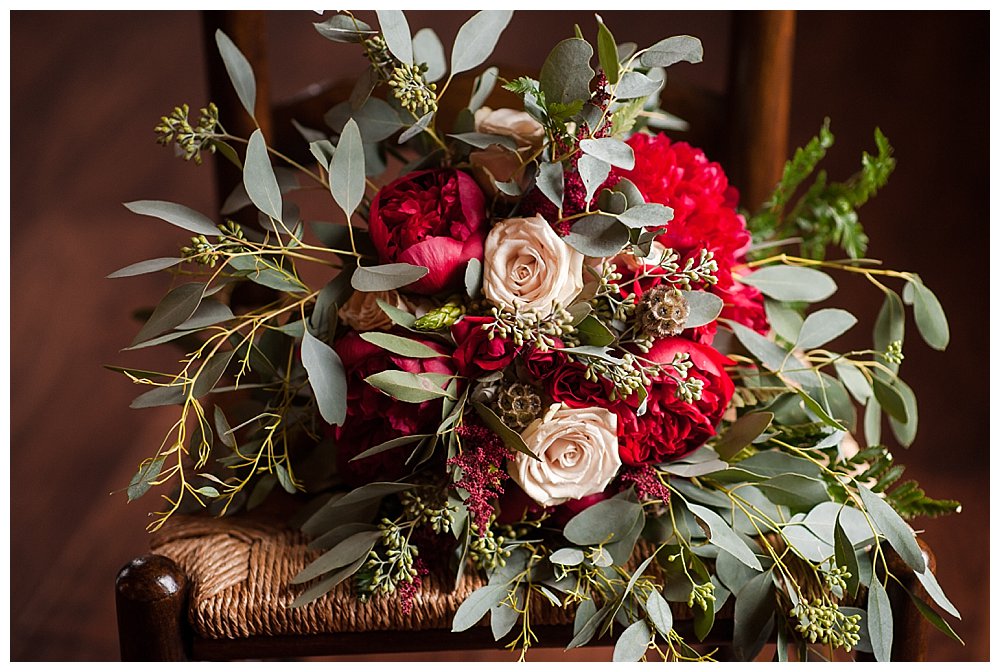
[502, 620]
[845, 556]
[413, 388]
[385, 277]
[222, 428]
[178, 305]
[658, 610]
[632, 643]
[934, 618]
[266, 273]
[510, 438]
[593, 172]
[396, 32]
[567, 556]
[400, 345]
[602, 522]
[636, 85]
[673, 50]
[753, 616]
[484, 140]
[211, 372]
[896, 531]
[822, 413]
[933, 588]
[176, 214]
[609, 150]
[905, 432]
[427, 49]
[597, 236]
[607, 52]
[347, 170]
[343, 28]
[646, 215]
[209, 312]
[566, 73]
[873, 422]
[160, 396]
[823, 326]
[326, 378]
[397, 315]
[349, 550]
[477, 38]
[929, 316]
[334, 511]
[148, 266]
[792, 283]
[473, 278]
[143, 479]
[326, 585]
[741, 433]
[785, 321]
[483, 87]
[586, 629]
[703, 308]
[416, 129]
[880, 622]
[240, 72]
[477, 605]
[853, 380]
[259, 179]
[376, 119]
[724, 537]
[592, 331]
[770, 354]
[890, 399]
[389, 445]
[889, 324]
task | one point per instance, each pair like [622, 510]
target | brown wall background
[87, 88]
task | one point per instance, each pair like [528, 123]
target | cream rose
[527, 133]
[578, 454]
[363, 313]
[527, 265]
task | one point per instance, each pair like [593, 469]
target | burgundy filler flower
[433, 218]
[671, 428]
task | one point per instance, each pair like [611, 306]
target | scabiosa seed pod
[662, 312]
[517, 405]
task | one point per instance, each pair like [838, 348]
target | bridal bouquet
[547, 346]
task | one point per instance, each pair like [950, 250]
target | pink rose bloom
[434, 218]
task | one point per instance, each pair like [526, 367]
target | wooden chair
[747, 130]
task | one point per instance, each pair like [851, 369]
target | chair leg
[151, 598]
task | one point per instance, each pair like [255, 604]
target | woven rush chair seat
[239, 573]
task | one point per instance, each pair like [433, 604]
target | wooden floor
[82, 112]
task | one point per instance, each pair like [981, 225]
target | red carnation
[477, 354]
[671, 428]
[681, 177]
[433, 218]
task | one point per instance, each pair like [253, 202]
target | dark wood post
[151, 599]
[248, 31]
[760, 89]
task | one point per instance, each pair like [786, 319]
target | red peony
[671, 428]
[476, 354]
[681, 177]
[433, 218]
[373, 417]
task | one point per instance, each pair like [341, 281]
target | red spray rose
[568, 384]
[477, 355]
[681, 177]
[434, 218]
[671, 428]
[373, 417]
